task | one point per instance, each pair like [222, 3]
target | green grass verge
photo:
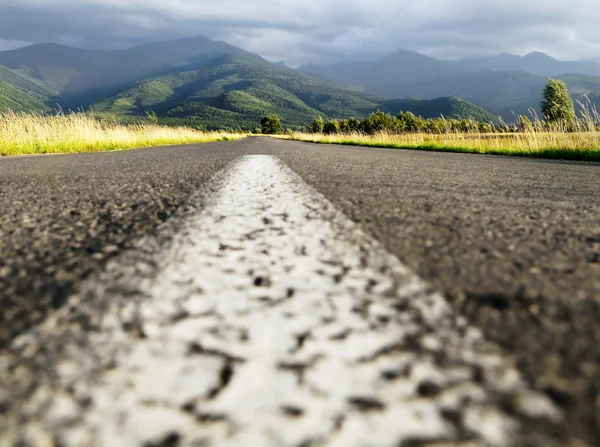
[589, 154]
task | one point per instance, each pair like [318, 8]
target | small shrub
[331, 127]
[353, 125]
[271, 125]
[409, 122]
[317, 126]
[378, 122]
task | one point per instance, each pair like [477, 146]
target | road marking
[269, 319]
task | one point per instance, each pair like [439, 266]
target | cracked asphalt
[513, 244]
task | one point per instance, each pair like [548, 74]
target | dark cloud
[324, 31]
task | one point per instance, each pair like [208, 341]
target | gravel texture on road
[63, 217]
[513, 245]
[268, 320]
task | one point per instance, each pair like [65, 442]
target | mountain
[536, 63]
[83, 76]
[505, 85]
[448, 107]
[402, 66]
[500, 92]
[503, 93]
[236, 91]
[409, 66]
[216, 82]
[213, 84]
[20, 92]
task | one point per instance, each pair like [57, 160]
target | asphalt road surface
[266, 292]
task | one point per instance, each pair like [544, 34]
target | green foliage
[317, 126]
[557, 105]
[406, 122]
[152, 116]
[331, 127]
[271, 125]
[437, 125]
[351, 125]
[378, 122]
[21, 92]
[409, 122]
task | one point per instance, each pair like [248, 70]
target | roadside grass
[583, 146]
[44, 134]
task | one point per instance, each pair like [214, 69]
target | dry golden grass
[559, 145]
[37, 134]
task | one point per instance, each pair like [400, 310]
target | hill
[213, 84]
[402, 67]
[504, 85]
[503, 93]
[83, 76]
[237, 91]
[536, 63]
[20, 92]
[448, 107]
[500, 92]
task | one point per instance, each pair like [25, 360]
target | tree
[378, 122]
[353, 125]
[409, 122]
[436, 126]
[557, 105]
[344, 126]
[331, 127]
[271, 125]
[317, 126]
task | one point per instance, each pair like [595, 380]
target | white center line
[270, 319]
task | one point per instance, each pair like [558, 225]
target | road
[504, 251]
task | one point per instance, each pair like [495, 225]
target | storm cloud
[315, 31]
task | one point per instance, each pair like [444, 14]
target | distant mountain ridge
[407, 65]
[213, 83]
[95, 73]
[536, 63]
[504, 85]
[410, 66]
[238, 91]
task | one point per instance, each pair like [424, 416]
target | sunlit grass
[526, 137]
[557, 145]
[42, 134]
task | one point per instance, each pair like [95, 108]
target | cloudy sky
[318, 31]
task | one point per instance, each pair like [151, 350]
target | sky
[315, 31]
